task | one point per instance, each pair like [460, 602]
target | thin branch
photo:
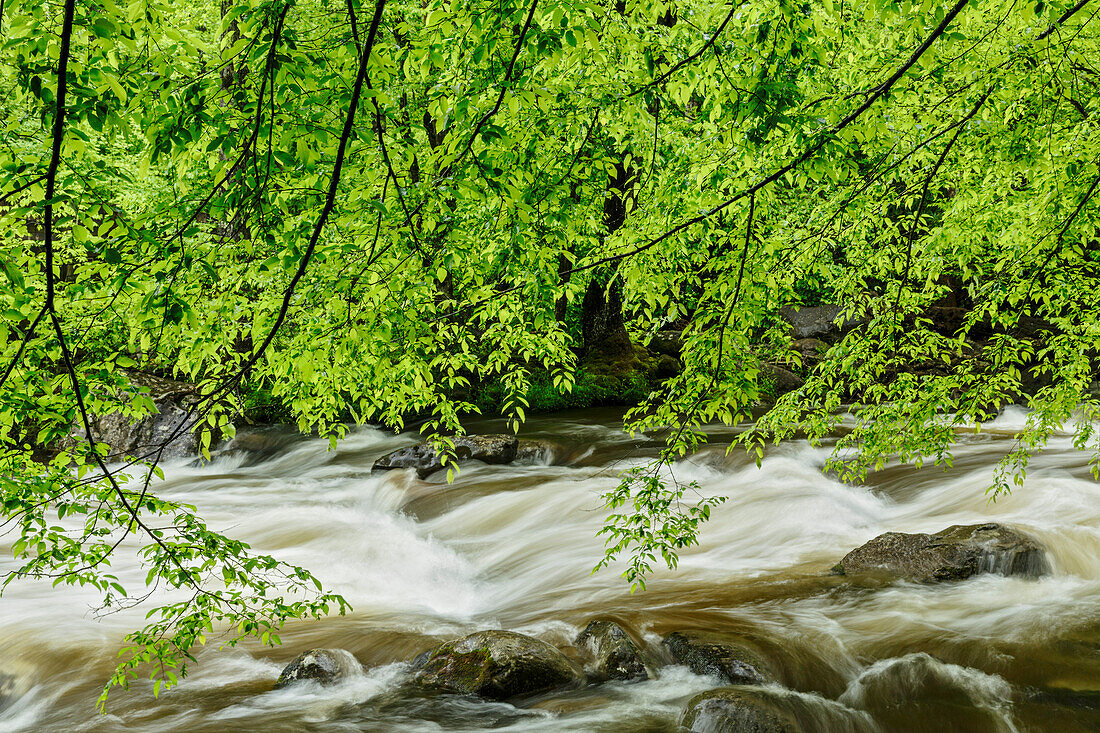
[822, 138]
[1065, 16]
[924, 200]
[26, 185]
[330, 198]
[503, 87]
[681, 64]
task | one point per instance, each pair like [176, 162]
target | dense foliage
[370, 212]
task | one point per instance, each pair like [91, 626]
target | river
[512, 547]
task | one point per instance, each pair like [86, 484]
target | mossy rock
[498, 665]
[718, 656]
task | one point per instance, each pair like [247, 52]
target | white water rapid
[512, 547]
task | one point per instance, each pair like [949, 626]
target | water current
[512, 547]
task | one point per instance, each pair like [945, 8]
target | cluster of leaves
[367, 209]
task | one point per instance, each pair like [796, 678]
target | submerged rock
[497, 665]
[326, 666]
[712, 654]
[956, 553]
[494, 449]
[7, 690]
[616, 655]
[918, 687]
[737, 710]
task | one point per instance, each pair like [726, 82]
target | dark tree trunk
[602, 325]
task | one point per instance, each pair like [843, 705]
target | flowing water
[512, 547]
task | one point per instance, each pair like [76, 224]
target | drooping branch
[330, 197]
[684, 62]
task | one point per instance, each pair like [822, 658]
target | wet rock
[536, 451]
[498, 665]
[616, 655]
[783, 380]
[495, 449]
[171, 425]
[326, 666]
[737, 710]
[956, 553]
[813, 322]
[715, 655]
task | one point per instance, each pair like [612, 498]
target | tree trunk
[602, 327]
[603, 330]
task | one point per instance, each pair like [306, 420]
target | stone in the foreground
[737, 710]
[494, 449]
[615, 654]
[956, 553]
[325, 666]
[497, 665]
[716, 656]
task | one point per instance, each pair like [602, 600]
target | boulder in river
[536, 451]
[956, 553]
[497, 665]
[325, 666]
[171, 425]
[715, 655]
[782, 380]
[737, 710]
[494, 449]
[616, 655]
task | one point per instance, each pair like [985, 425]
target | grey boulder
[493, 449]
[615, 654]
[168, 431]
[324, 666]
[955, 553]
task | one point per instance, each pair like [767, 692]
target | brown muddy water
[512, 547]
